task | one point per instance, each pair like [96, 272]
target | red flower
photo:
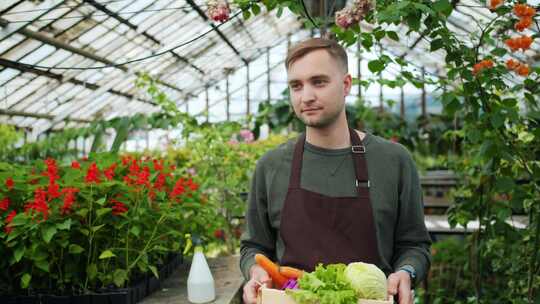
[142, 177]
[69, 198]
[39, 204]
[193, 186]
[109, 172]
[178, 188]
[9, 183]
[158, 165]
[126, 159]
[92, 175]
[52, 191]
[151, 195]
[52, 170]
[118, 207]
[75, 165]
[9, 219]
[4, 204]
[128, 180]
[134, 168]
[160, 181]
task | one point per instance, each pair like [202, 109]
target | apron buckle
[358, 149]
[364, 184]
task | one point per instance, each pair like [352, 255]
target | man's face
[318, 87]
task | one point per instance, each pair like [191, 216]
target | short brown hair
[302, 48]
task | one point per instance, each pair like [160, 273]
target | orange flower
[494, 4]
[523, 70]
[484, 64]
[512, 64]
[523, 10]
[523, 42]
[523, 24]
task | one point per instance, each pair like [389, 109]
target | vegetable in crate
[339, 284]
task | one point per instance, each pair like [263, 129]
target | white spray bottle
[200, 283]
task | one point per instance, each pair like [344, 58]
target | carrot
[272, 269]
[291, 272]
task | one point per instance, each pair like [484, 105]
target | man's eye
[295, 86]
[319, 82]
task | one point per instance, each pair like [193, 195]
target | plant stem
[147, 244]
[534, 258]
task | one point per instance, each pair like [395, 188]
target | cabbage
[367, 280]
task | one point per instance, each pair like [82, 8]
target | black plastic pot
[139, 289]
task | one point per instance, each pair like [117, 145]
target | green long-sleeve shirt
[395, 195]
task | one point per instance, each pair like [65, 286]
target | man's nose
[308, 95]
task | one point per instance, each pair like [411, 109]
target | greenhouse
[274, 151]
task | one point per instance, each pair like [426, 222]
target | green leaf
[96, 228]
[279, 12]
[102, 211]
[65, 225]
[154, 271]
[91, 271]
[246, 14]
[42, 264]
[83, 212]
[47, 233]
[19, 253]
[119, 277]
[499, 52]
[443, 6]
[75, 249]
[376, 66]
[509, 102]
[497, 120]
[504, 184]
[19, 219]
[14, 234]
[101, 201]
[256, 9]
[107, 254]
[436, 44]
[525, 136]
[379, 35]
[25, 280]
[392, 35]
[135, 230]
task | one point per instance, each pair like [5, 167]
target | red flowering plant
[93, 223]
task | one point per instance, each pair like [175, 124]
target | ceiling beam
[39, 116]
[25, 68]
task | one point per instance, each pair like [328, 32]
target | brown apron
[320, 229]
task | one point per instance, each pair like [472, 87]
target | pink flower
[247, 135]
[218, 10]
[344, 18]
[354, 13]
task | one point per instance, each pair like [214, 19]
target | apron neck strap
[358, 151]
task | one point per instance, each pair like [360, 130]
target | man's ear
[347, 84]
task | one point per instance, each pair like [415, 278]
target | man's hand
[399, 283]
[258, 276]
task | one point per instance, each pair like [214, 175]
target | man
[312, 200]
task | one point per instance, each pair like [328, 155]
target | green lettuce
[326, 285]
